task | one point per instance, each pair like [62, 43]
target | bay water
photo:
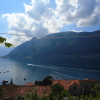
[18, 70]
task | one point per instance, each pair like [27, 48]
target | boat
[24, 78]
[4, 81]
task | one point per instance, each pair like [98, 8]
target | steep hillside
[68, 43]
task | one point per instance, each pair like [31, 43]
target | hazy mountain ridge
[67, 46]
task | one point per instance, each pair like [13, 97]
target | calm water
[32, 72]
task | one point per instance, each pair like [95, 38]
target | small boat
[7, 71]
[24, 78]
[4, 81]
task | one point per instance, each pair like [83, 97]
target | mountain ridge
[59, 44]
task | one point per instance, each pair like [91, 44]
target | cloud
[36, 10]
[79, 12]
[18, 24]
[76, 31]
[41, 19]
[92, 20]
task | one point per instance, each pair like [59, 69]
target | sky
[39, 18]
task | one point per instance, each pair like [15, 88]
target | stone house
[77, 87]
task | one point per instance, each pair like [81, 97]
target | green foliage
[63, 95]
[20, 97]
[96, 91]
[1, 91]
[58, 93]
[46, 81]
[44, 98]
[8, 45]
[57, 88]
[33, 96]
[49, 78]
[9, 98]
[2, 40]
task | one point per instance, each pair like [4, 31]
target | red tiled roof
[66, 83]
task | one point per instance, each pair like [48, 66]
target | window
[74, 88]
[74, 94]
[85, 86]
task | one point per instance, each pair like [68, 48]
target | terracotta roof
[74, 82]
[66, 83]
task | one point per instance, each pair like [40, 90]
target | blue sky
[43, 17]
[10, 6]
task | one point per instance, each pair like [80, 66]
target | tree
[58, 92]
[48, 80]
[33, 96]
[2, 40]
[57, 88]
[96, 91]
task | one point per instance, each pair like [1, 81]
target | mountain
[68, 44]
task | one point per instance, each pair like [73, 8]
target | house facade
[78, 87]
